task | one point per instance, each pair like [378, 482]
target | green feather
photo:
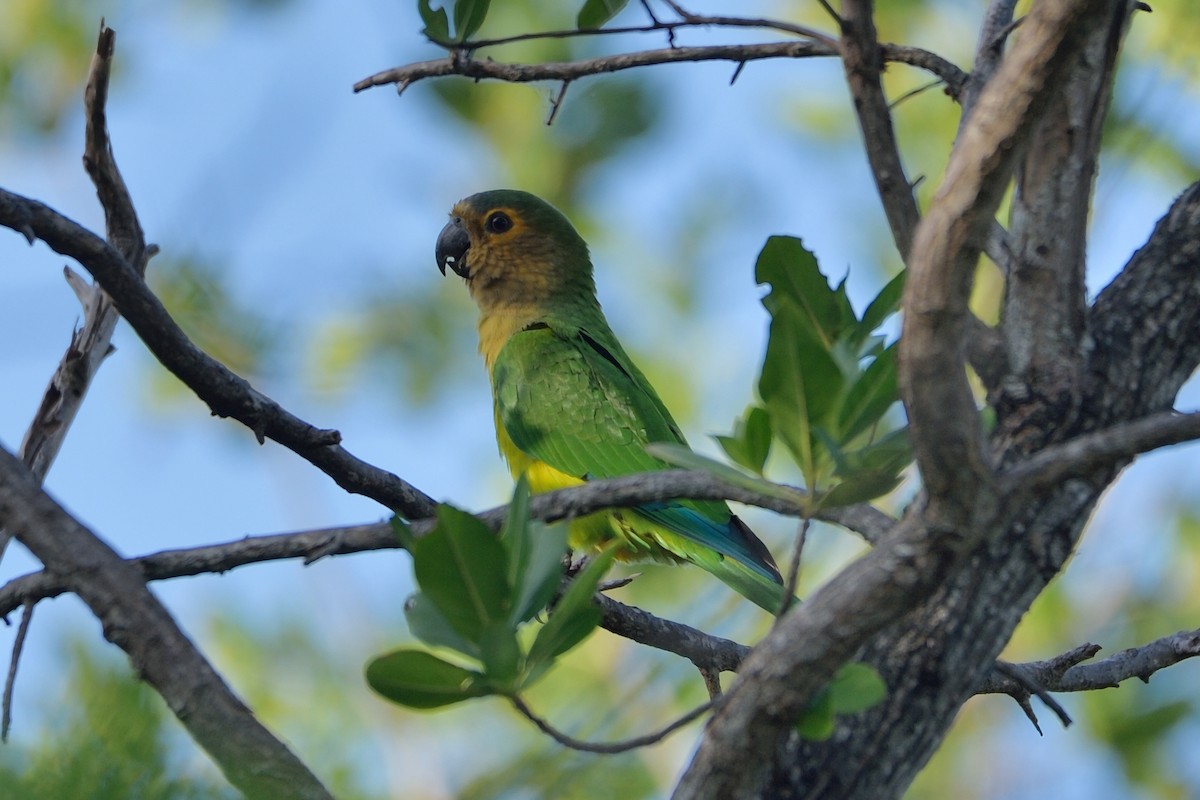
[573, 399]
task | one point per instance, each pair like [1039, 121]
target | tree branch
[90, 343]
[133, 619]
[863, 61]
[462, 64]
[1066, 673]
[227, 394]
[1146, 323]
[1100, 450]
[803, 651]
[1045, 305]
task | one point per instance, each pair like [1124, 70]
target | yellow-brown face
[510, 245]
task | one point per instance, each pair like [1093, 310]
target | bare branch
[227, 394]
[91, 343]
[10, 680]
[132, 618]
[1100, 450]
[989, 49]
[863, 61]
[1146, 323]
[576, 501]
[1067, 673]
[1026, 687]
[706, 651]
[670, 27]
[458, 64]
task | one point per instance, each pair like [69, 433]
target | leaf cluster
[477, 594]
[827, 380]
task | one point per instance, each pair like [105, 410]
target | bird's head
[511, 246]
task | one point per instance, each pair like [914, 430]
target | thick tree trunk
[1067, 370]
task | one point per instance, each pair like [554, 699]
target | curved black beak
[452, 245]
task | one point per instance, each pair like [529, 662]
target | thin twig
[556, 103]
[863, 60]
[11, 679]
[913, 93]
[1032, 687]
[610, 748]
[687, 20]
[793, 573]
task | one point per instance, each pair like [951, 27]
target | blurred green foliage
[107, 737]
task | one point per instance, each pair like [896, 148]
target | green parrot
[570, 405]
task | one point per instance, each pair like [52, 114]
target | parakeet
[570, 405]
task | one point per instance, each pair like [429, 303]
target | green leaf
[501, 655]
[859, 488]
[468, 16]
[856, 687]
[535, 553]
[816, 722]
[543, 573]
[683, 456]
[437, 25]
[869, 471]
[869, 397]
[597, 12]
[462, 567]
[429, 625]
[419, 680]
[799, 385]
[750, 443]
[796, 281]
[575, 616]
[516, 536]
[883, 306]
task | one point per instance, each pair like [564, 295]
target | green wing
[576, 402]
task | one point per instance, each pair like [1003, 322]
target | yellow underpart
[593, 531]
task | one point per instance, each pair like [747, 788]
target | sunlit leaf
[799, 384]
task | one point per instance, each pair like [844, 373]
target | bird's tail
[750, 583]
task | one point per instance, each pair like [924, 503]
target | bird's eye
[499, 222]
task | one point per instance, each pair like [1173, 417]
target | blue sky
[240, 140]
